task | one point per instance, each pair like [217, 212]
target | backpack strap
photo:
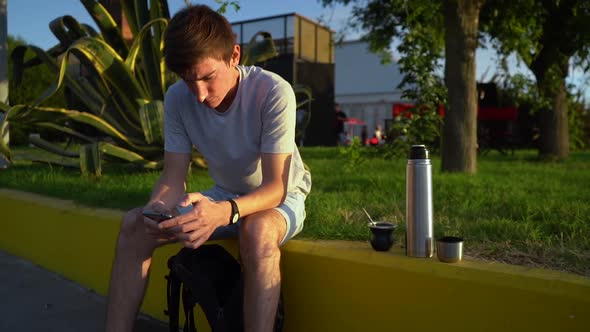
[188, 304]
[173, 300]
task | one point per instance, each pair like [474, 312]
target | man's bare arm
[273, 190]
[171, 186]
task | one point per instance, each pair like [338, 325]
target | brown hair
[195, 33]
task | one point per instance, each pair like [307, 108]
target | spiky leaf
[90, 164]
[259, 50]
[31, 115]
[53, 148]
[67, 30]
[127, 155]
[157, 84]
[107, 25]
[4, 148]
[151, 115]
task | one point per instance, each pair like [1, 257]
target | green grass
[515, 209]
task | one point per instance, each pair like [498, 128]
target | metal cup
[449, 249]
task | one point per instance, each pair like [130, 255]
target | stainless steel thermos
[419, 241]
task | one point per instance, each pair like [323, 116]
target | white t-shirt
[261, 119]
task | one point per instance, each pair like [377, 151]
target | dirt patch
[532, 254]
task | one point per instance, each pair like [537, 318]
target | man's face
[210, 80]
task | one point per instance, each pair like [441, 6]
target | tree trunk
[553, 123]
[459, 140]
[551, 69]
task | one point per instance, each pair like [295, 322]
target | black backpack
[212, 278]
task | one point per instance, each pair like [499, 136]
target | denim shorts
[292, 209]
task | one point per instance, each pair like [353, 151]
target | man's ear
[235, 55]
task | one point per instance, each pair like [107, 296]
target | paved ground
[33, 299]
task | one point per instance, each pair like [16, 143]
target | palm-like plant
[121, 98]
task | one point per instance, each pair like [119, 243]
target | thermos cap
[418, 152]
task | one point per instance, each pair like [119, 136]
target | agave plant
[121, 97]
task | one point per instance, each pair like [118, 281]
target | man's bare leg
[129, 276]
[260, 235]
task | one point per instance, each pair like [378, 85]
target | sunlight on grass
[515, 209]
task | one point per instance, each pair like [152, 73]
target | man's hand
[196, 226]
[152, 228]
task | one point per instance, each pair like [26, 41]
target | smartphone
[157, 216]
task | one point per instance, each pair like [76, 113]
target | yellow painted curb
[328, 285]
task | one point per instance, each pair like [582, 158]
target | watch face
[235, 218]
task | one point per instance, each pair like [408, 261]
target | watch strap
[235, 213]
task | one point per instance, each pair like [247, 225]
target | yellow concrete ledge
[328, 285]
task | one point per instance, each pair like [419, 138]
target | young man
[242, 119]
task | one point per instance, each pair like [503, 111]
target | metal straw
[371, 219]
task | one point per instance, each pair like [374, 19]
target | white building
[365, 88]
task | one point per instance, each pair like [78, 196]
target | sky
[29, 19]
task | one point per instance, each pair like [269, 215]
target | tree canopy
[426, 29]
[552, 35]
[547, 35]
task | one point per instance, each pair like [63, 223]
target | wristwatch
[235, 213]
